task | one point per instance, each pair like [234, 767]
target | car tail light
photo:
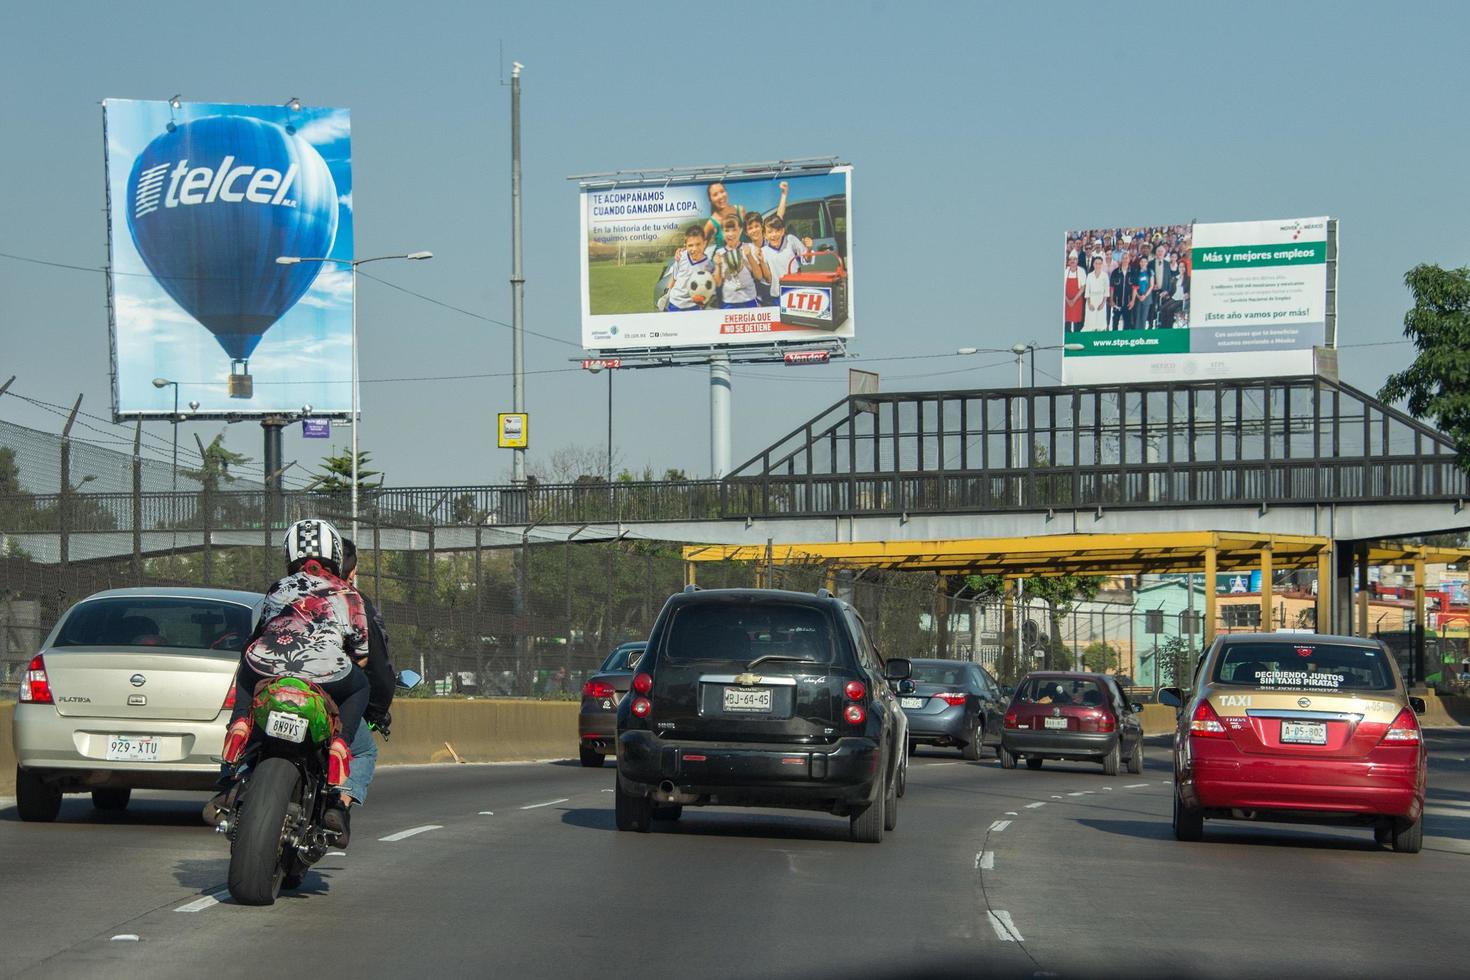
[952, 698]
[597, 689]
[1013, 720]
[229, 704]
[855, 691]
[1105, 722]
[1205, 723]
[643, 683]
[34, 687]
[855, 714]
[1404, 730]
[641, 707]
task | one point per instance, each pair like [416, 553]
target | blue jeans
[364, 761]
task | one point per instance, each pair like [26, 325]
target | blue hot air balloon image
[211, 204]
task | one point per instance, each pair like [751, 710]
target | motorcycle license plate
[132, 748]
[291, 728]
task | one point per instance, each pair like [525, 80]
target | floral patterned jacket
[313, 626]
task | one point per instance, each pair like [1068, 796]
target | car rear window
[200, 624]
[1304, 666]
[939, 674]
[622, 658]
[740, 632]
[1061, 690]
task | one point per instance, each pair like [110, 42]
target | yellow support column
[689, 574]
[1266, 596]
[1419, 621]
[1324, 590]
[1211, 556]
[831, 579]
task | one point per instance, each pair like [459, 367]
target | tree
[1061, 593]
[1099, 657]
[1437, 384]
[338, 475]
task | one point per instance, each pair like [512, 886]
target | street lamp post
[352, 264]
[164, 383]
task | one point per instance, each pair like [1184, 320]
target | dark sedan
[597, 724]
[954, 703]
[1072, 716]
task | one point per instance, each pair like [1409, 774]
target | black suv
[756, 697]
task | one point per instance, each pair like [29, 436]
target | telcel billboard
[717, 262]
[202, 200]
[1242, 299]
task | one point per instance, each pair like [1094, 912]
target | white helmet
[313, 538]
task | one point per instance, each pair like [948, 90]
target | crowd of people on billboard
[734, 259]
[1127, 279]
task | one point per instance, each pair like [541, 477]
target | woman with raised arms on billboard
[721, 210]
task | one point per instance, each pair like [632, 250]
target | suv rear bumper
[750, 773]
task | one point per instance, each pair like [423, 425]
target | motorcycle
[275, 820]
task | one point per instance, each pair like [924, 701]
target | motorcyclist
[314, 626]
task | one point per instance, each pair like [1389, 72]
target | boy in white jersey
[738, 264]
[692, 273]
[782, 252]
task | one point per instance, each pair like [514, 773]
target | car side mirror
[409, 679]
[1172, 696]
[899, 669]
[1417, 704]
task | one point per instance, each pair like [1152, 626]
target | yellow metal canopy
[1071, 554]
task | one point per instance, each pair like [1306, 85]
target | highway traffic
[518, 870]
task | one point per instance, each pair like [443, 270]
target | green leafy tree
[1100, 657]
[1437, 385]
[1061, 593]
[337, 475]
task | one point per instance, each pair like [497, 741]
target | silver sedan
[132, 690]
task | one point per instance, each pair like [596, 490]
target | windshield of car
[1062, 691]
[145, 621]
[623, 658]
[741, 632]
[1303, 665]
[952, 675]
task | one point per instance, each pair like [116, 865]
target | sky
[978, 134]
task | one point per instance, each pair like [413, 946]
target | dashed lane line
[1012, 813]
[1135, 785]
[487, 813]
[1085, 792]
[537, 806]
[1005, 929]
[200, 904]
[404, 834]
[1033, 806]
[125, 937]
[999, 825]
[985, 861]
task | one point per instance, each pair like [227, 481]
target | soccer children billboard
[1196, 301]
[717, 261]
[204, 200]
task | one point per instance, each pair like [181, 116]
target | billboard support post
[719, 415]
[272, 427]
[517, 278]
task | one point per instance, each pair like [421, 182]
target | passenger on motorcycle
[313, 626]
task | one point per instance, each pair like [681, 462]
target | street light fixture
[164, 383]
[352, 264]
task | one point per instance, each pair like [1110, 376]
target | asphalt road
[516, 870]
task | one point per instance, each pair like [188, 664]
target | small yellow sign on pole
[513, 430]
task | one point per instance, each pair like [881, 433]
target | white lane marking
[1012, 813]
[537, 806]
[1033, 806]
[1005, 929]
[1135, 786]
[336, 854]
[936, 765]
[1107, 789]
[1056, 796]
[985, 861]
[999, 825]
[487, 813]
[607, 791]
[402, 834]
[125, 937]
[200, 904]
[1085, 792]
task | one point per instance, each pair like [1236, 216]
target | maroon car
[1072, 716]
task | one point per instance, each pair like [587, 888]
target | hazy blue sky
[979, 132]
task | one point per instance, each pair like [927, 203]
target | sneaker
[339, 820]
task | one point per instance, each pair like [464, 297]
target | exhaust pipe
[666, 787]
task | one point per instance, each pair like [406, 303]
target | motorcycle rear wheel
[256, 862]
